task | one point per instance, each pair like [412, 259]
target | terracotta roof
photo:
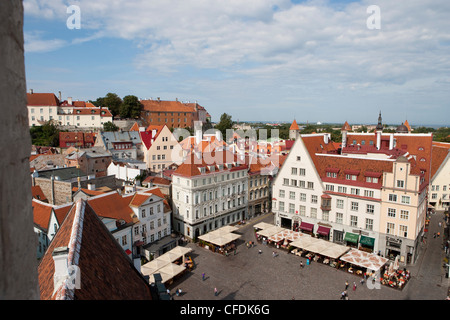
[157, 180]
[38, 194]
[42, 212]
[191, 166]
[165, 106]
[294, 126]
[42, 99]
[138, 199]
[439, 154]
[106, 273]
[111, 205]
[103, 112]
[88, 191]
[135, 127]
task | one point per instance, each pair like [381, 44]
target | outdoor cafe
[221, 240]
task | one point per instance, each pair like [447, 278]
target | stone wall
[18, 242]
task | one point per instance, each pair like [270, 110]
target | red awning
[307, 226]
[324, 231]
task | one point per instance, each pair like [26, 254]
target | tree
[131, 107]
[112, 101]
[109, 126]
[224, 124]
[45, 135]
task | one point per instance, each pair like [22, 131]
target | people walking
[203, 276]
[346, 285]
[354, 286]
[301, 264]
[215, 291]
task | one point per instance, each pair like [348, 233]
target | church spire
[380, 124]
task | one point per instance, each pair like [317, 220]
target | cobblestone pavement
[248, 275]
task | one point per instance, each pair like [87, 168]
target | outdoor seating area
[169, 265]
[346, 258]
[222, 240]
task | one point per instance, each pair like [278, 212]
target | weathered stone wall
[18, 242]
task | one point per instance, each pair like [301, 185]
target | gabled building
[121, 144]
[93, 161]
[84, 262]
[159, 147]
[369, 196]
[439, 188]
[47, 221]
[76, 139]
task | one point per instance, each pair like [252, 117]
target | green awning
[351, 237]
[367, 241]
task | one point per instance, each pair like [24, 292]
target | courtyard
[250, 275]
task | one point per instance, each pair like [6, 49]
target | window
[299, 158]
[124, 240]
[313, 198]
[370, 208]
[368, 193]
[281, 195]
[294, 171]
[302, 196]
[281, 206]
[293, 182]
[400, 184]
[301, 183]
[329, 187]
[404, 214]
[369, 224]
[313, 212]
[302, 210]
[339, 217]
[390, 228]
[354, 221]
[292, 195]
[291, 208]
[342, 189]
[331, 174]
[340, 203]
[354, 191]
[393, 197]
[302, 172]
[143, 213]
[354, 206]
[310, 185]
[403, 231]
[286, 182]
[392, 212]
[406, 199]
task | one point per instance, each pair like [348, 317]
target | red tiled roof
[438, 156]
[42, 212]
[165, 106]
[106, 273]
[103, 112]
[42, 99]
[157, 180]
[111, 205]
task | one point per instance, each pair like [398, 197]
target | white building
[209, 191]
[126, 170]
[152, 220]
[439, 189]
[43, 107]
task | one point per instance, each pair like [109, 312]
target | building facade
[209, 191]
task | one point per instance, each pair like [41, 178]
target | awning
[367, 241]
[351, 237]
[324, 231]
[307, 226]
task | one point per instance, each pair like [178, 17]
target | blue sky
[262, 60]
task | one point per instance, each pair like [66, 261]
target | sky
[257, 60]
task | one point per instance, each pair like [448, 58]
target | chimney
[91, 186]
[31, 91]
[60, 256]
[69, 100]
[391, 141]
[59, 95]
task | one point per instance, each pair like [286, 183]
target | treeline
[128, 107]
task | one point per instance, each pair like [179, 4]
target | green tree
[45, 135]
[131, 107]
[224, 124]
[109, 126]
[112, 101]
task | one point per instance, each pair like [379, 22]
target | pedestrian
[203, 276]
[346, 284]
[301, 264]
[259, 251]
[307, 262]
[215, 291]
[168, 292]
[354, 286]
[177, 292]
